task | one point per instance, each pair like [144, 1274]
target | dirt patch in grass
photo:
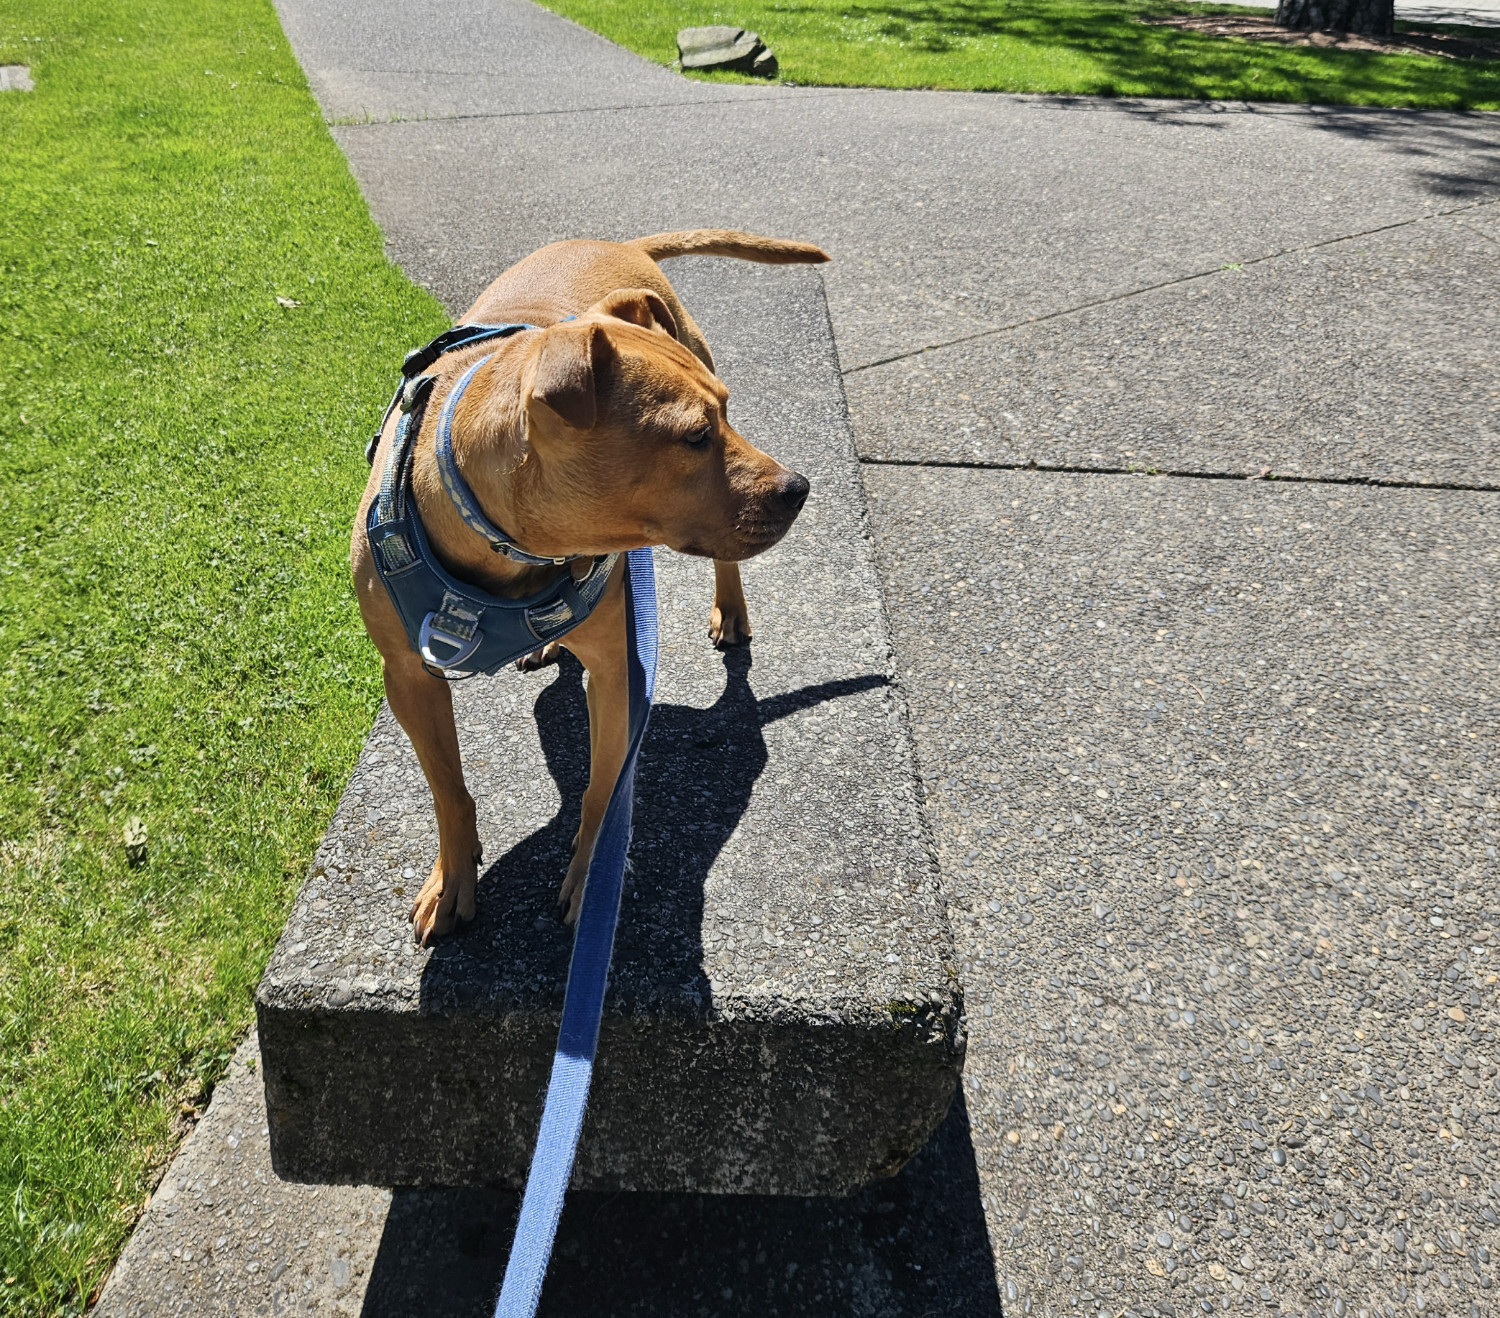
[1450, 45]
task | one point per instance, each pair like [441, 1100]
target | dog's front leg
[600, 647]
[729, 620]
[423, 705]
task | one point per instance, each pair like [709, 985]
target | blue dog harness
[453, 625]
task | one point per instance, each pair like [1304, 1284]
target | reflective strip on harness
[463, 498]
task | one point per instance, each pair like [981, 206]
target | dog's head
[633, 444]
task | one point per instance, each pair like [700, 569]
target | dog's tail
[729, 242]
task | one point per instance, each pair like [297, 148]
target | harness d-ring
[462, 649]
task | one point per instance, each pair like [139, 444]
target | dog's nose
[794, 491]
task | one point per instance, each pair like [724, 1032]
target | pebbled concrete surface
[224, 1236]
[782, 1015]
[1369, 358]
[425, 59]
[946, 213]
[953, 215]
[1212, 770]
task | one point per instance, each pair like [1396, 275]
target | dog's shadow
[913, 1246]
[695, 782]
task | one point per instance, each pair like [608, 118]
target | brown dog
[584, 437]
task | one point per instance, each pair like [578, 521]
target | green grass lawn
[181, 458]
[1086, 47]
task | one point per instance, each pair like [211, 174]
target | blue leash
[583, 1004]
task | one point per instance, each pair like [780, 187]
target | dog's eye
[699, 437]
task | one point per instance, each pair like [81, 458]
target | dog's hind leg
[543, 658]
[423, 705]
[729, 619]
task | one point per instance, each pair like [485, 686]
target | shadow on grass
[1117, 55]
[1456, 158]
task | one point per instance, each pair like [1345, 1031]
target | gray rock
[724, 47]
[783, 1017]
[17, 78]
[693, 41]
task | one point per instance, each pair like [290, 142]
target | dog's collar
[415, 383]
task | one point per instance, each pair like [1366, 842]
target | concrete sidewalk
[1210, 763]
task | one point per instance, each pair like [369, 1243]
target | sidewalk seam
[1171, 283]
[1273, 478]
[349, 121]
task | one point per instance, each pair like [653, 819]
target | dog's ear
[568, 372]
[640, 306]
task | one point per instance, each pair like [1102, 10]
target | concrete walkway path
[1210, 759]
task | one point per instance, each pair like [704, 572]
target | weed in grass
[199, 328]
[1070, 47]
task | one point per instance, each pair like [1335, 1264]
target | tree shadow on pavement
[914, 1246]
[1452, 156]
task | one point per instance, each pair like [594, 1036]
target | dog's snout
[793, 491]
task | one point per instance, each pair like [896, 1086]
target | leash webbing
[588, 972]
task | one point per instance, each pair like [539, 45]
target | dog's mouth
[757, 539]
[753, 534]
[762, 521]
[737, 547]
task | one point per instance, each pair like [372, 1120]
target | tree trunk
[1369, 18]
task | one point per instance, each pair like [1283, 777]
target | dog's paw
[445, 902]
[543, 658]
[728, 627]
[570, 896]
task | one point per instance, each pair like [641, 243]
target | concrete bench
[783, 1016]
